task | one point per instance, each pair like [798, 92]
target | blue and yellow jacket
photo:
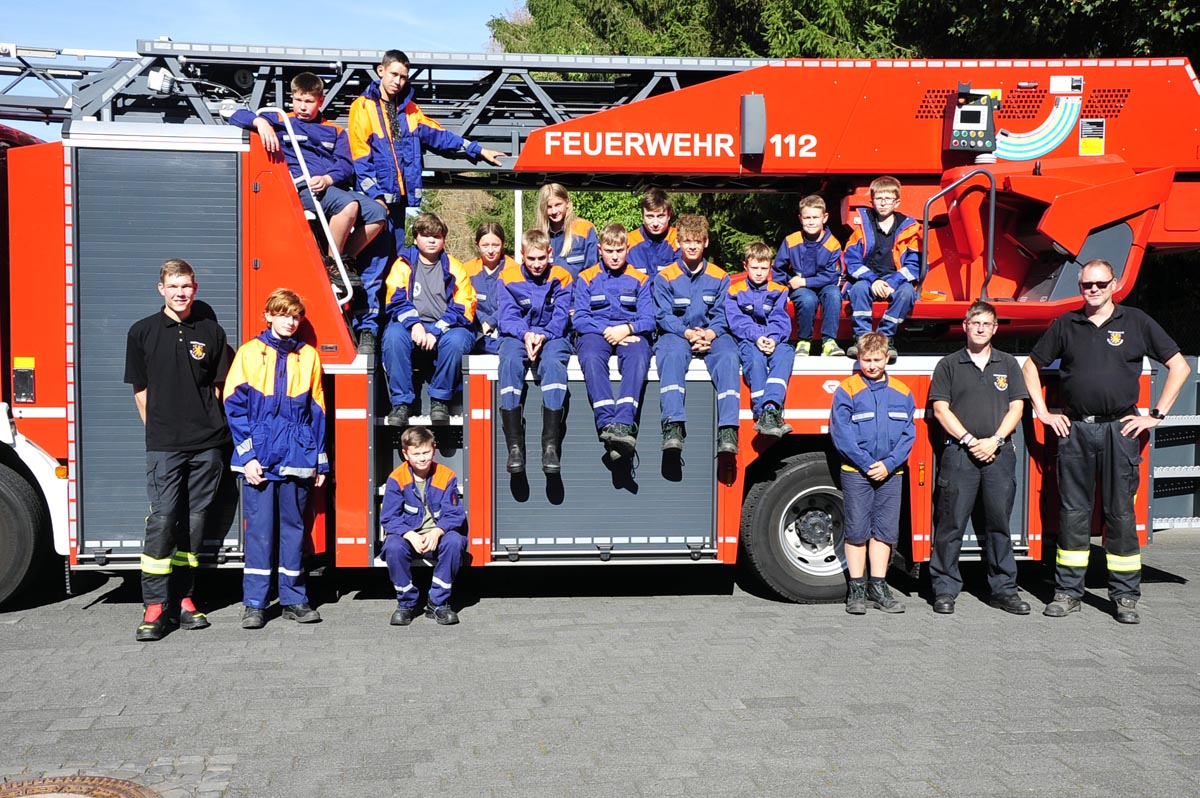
[487, 288]
[872, 422]
[275, 405]
[754, 311]
[387, 168]
[649, 255]
[460, 294]
[819, 262]
[604, 298]
[530, 304]
[684, 300]
[906, 250]
[402, 510]
[585, 247]
[325, 146]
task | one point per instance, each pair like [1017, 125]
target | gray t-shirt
[420, 486]
[429, 290]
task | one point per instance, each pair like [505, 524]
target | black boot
[513, 425]
[551, 433]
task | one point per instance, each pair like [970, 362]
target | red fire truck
[1021, 170]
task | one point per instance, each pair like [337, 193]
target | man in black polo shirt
[977, 398]
[176, 361]
[1101, 347]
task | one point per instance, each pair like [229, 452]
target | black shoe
[154, 626]
[366, 343]
[442, 613]
[852, 351]
[944, 605]
[727, 440]
[399, 416]
[513, 425]
[551, 432]
[439, 412]
[1127, 610]
[1010, 603]
[403, 616]
[881, 598]
[253, 618]
[856, 598]
[673, 434]
[301, 613]
[622, 439]
[191, 618]
[770, 422]
[1061, 606]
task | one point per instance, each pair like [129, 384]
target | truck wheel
[22, 521]
[792, 531]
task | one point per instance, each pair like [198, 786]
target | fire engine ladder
[497, 99]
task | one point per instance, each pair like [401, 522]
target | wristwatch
[999, 441]
[1157, 414]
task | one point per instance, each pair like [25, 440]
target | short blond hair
[691, 227]
[534, 238]
[614, 235]
[175, 267]
[757, 251]
[872, 343]
[814, 201]
[885, 183]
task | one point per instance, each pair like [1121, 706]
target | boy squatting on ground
[756, 310]
[809, 263]
[872, 427]
[653, 246]
[388, 132]
[535, 308]
[883, 261]
[689, 296]
[431, 306]
[423, 517]
[354, 220]
[275, 405]
[614, 314]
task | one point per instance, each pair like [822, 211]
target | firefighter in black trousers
[1101, 347]
[977, 397]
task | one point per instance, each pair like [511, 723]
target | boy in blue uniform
[689, 296]
[653, 246]
[756, 310]
[535, 308]
[276, 409]
[484, 272]
[883, 261]
[388, 133]
[872, 427]
[354, 220]
[809, 263]
[423, 516]
[431, 306]
[614, 314]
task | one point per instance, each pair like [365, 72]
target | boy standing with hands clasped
[872, 427]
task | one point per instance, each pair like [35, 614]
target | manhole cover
[75, 786]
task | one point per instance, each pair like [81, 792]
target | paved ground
[622, 682]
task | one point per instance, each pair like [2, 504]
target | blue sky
[406, 24]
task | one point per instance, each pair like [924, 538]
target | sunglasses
[1088, 286]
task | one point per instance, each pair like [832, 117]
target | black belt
[1100, 419]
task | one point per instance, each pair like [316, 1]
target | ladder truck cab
[1020, 171]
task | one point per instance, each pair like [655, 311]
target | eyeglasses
[885, 200]
[1100, 284]
[982, 325]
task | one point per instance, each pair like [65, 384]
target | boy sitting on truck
[354, 220]
[275, 405]
[653, 246]
[883, 261]
[872, 427]
[614, 314]
[689, 295]
[423, 517]
[756, 310]
[430, 306]
[809, 263]
[535, 308]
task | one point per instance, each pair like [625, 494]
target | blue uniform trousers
[805, 301]
[398, 349]
[486, 344]
[633, 361]
[274, 512]
[673, 356]
[379, 255]
[550, 368]
[399, 555]
[872, 509]
[899, 307]
[766, 377]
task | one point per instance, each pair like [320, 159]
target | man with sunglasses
[1100, 348]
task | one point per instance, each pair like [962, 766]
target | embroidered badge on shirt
[1001, 382]
[1116, 337]
[196, 349]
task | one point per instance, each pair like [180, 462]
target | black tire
[782, 520]
[22, 532]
